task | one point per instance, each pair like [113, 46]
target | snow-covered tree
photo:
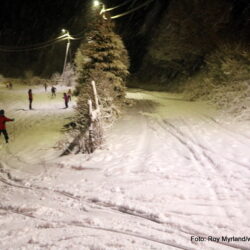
[101, 57]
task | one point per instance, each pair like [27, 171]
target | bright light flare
[96, 3]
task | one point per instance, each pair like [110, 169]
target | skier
[66, 100]
[30, 96]
[69, 94]
[53, 91]
[3, 130]
[45, 86]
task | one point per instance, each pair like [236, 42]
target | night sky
[26, 22]
[30, 22]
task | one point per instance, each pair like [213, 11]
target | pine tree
[101, 57]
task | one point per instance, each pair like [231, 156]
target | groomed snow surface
[169, 170]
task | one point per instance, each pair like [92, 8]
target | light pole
[66, 32]
[96, 3]
[100, 5]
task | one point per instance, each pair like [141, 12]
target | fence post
[95, 127]
[91, 137]
[95, 94]
[90, 108]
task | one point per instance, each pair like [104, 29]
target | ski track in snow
[169, 169]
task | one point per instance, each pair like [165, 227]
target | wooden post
[90, 109]
[95, 94]
[91, 139]
[95, 128]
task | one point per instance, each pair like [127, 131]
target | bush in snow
[225, 81]
[69, 77]
[229, 63]
[35, 80]
[30, 79]
[55, 79]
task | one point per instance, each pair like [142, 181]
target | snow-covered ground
[169, 170]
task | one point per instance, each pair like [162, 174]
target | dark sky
[25, 22]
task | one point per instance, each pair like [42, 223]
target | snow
[169, 170]
[233, 97]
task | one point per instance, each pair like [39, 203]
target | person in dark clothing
[66, 100]
[30, 95]
[3, 130]
[45, 86]
[53, 91]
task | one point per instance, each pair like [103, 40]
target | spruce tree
[101, 57]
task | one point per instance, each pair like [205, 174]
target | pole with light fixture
[96, 3]
[66, 32]
[100, 6]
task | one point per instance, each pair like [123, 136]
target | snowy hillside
[169, 170]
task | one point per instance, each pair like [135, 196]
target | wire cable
[77, 38]
[132, 10]
[117, 6]
[67, 36]
[33, 45]
[32, 48]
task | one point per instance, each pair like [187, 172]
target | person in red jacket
[30, 98]
[66, 100]
[3, 120]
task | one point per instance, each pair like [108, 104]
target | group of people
[3, 119]
[66, 96]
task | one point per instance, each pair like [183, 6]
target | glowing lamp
[96, 3]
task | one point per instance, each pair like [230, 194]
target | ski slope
[169, 170]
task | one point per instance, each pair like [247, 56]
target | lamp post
[100, 6]
[96, 3]
[67, 35]
[66, 32]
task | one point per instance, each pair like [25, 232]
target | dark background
[25, 23]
